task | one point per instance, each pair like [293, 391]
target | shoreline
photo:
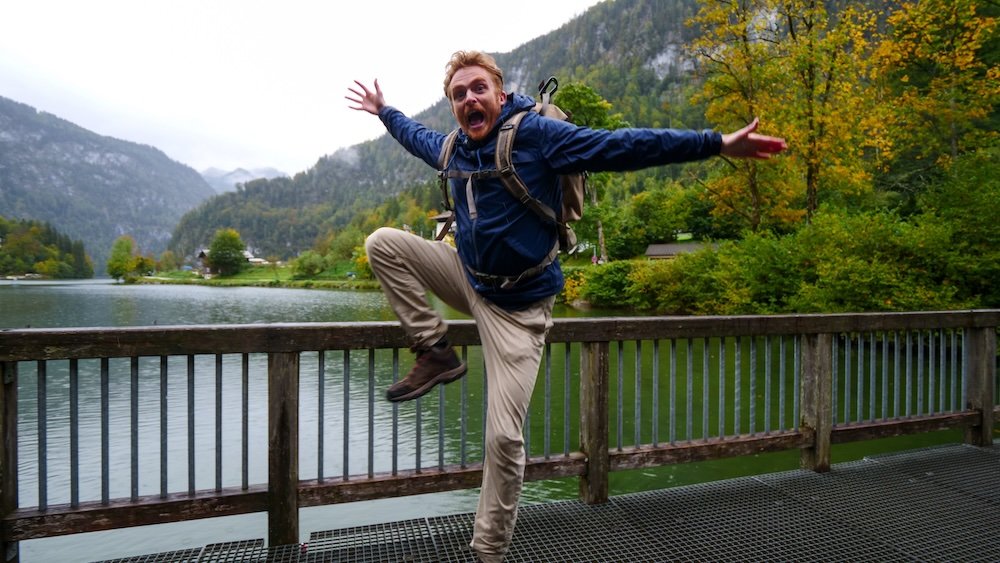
[365, 285]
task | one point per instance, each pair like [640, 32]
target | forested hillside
[631, 51]
[35, 248]
[93, 188]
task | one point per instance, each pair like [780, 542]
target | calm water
[102, 303]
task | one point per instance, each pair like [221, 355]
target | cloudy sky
[246, 83]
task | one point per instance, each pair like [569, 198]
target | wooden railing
[756, 383]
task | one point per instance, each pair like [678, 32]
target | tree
[827, 55]
[225, 254]
[738, 58]
[120, 262]
[943, 77]
[309, 264]
[167, 262]
[800, 69]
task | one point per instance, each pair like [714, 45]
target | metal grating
[933, 504]
[452, 535]
[964, 468]
[743, 520]
[409, 540]
[180, 556]
[573, 531]
[921, 519]
[234, 552]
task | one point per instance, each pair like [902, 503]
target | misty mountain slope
[223, 181]
[91, 187]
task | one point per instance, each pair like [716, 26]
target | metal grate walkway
[933, 504]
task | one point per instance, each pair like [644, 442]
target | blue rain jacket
[506, 237]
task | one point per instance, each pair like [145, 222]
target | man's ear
[503, 97]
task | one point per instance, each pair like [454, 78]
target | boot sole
[443, 377]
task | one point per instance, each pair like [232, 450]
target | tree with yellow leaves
[942, 85]
[737, 57]
[801, 70]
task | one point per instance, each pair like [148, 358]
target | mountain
[223, 181]
[629, 51]
[92, 188]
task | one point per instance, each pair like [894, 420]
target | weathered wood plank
[9, 549]
[65, 343]
[595, 359]
[860, 431]
[816, 398]
[703, 450]
[980, 381]
[283, 448]
[56, 520]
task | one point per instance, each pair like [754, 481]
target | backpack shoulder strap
[505, 166]
[446, 149]
[443, 158]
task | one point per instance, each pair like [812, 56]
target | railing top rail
[101, 342]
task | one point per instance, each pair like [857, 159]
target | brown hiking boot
[434, 365]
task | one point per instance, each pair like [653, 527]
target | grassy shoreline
[259, 277]
[236, 282]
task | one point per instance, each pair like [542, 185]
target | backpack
[573, 185]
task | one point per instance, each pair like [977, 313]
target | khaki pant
[407, 266]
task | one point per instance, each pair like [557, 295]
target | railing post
[980, 378]
[9, 551]
[594, 365]
[283, 448]
[817, 399]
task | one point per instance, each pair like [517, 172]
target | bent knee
[510, 445]
[376, 242]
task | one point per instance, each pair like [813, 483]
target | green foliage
[122, 257]
[225, 255]
[606, 283]
[586, 107]
[839, 263]
[34, 247]
[168, 262]
[873, 262]
[309, 264]
[967, 202]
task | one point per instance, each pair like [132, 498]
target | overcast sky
[246, 83]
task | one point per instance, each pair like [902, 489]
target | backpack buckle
[543, 87]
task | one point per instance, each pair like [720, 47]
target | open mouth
[475, 119]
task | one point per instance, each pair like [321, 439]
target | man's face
[476, 101]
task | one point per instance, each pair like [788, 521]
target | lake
[102, 303]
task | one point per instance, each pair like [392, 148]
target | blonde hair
[462, 59]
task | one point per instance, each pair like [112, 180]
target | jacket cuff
[383, 113]
[713, 142]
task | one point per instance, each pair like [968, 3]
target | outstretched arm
[365, 99]
[747, 144]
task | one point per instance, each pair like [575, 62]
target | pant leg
[512, 350]
[407, 266]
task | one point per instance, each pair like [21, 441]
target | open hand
[365, 99]
[747, 144]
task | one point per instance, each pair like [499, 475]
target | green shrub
[607, 283]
